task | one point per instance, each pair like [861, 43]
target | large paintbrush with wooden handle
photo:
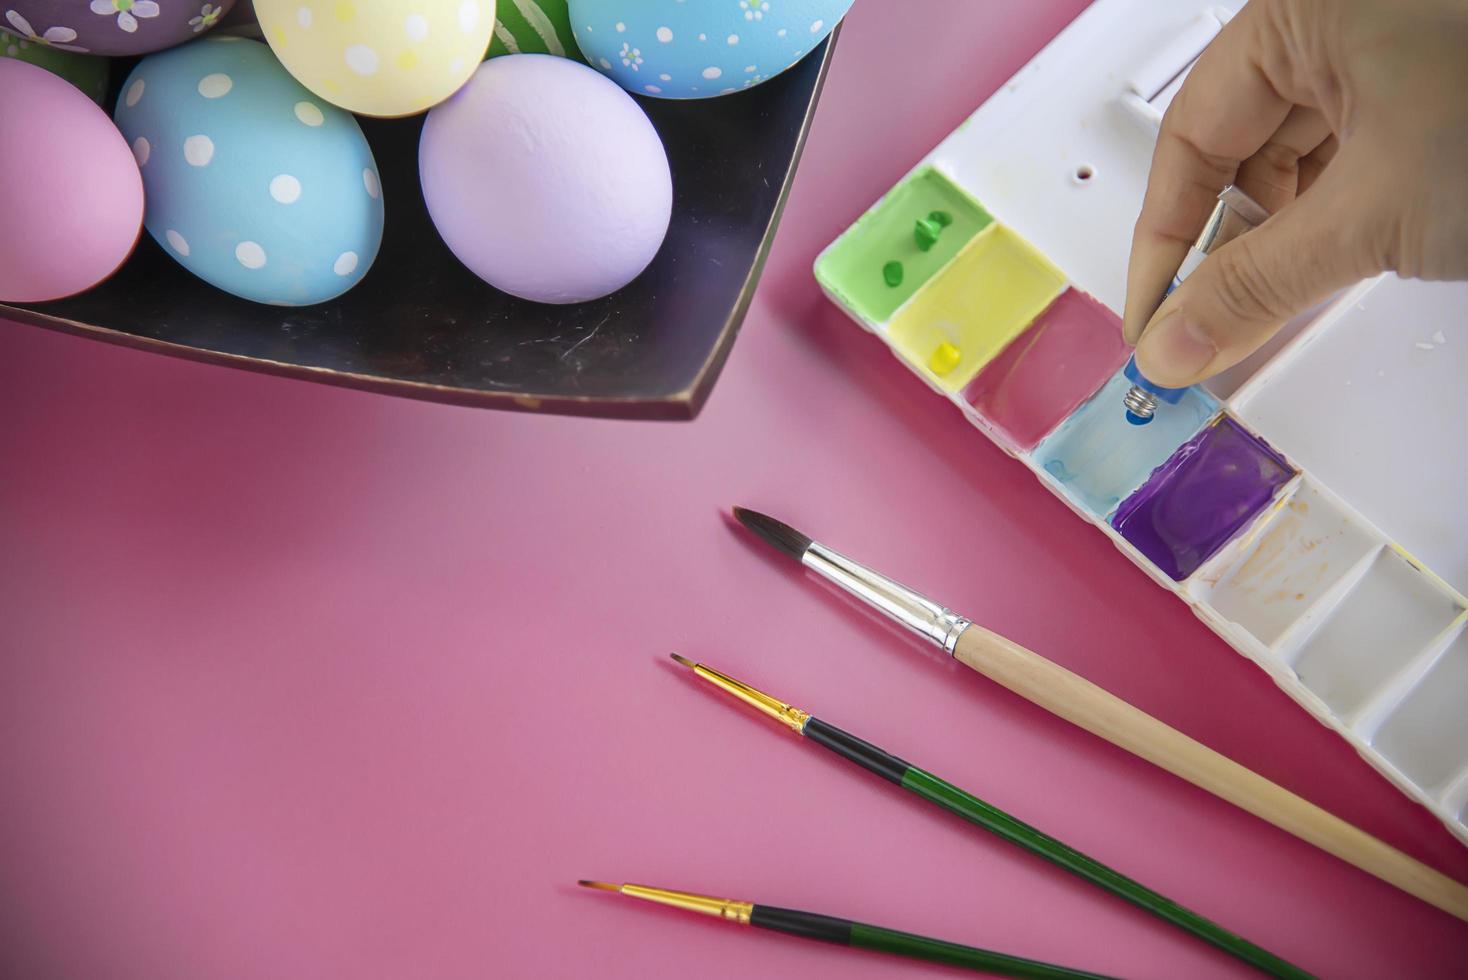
[1082, 703]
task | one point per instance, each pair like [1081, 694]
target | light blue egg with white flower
[253, 184]
[693, 49]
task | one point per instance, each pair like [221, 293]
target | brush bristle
[683, 660]
[605, 886]
[782, 536]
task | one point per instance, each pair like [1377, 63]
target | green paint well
[852, 268]
[892, 273]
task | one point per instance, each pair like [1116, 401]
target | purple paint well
[1209, 490]
[1046, 372]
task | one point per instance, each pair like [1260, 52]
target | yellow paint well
[966, 314]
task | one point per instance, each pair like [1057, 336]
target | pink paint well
[1046, 372]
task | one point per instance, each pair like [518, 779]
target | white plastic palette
[1343, 575]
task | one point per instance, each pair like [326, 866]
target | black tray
[422, 326]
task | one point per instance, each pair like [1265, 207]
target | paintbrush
[948, 796]
[844, 932]
[1101, 713]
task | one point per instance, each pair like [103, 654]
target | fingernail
[1174, 351]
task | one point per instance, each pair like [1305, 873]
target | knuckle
[1247, 289]
[1278, 162]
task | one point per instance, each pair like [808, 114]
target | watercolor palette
[1305, 504]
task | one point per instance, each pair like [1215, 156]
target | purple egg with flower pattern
[111, 27]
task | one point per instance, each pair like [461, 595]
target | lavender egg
[546, 179]
[112, 27]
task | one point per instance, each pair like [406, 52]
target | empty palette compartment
[1049, 370]
[899, 244]
[1366, 646]
[1426, 735]
[1291, 567]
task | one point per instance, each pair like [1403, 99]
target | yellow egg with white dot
[379, 57]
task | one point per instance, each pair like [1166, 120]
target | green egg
[87, 72]
[533, 27]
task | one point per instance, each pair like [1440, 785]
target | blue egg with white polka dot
[694, 49]
[253, 184]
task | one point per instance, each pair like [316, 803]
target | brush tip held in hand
[782, 536]
[605, 886]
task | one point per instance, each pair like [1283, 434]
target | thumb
[1241, 294]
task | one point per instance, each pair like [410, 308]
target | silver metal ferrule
[1234, 214]
[896, 601]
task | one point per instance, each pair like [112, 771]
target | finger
[1240, 295]
[1315, 162]
[1271, 175]
[1235, 98]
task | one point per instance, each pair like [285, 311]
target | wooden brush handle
[1082, 703]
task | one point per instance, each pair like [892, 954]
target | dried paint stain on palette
[1306, 552]
[1207, 492]
[981, 301]
[900, 244]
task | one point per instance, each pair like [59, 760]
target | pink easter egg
[71, 196]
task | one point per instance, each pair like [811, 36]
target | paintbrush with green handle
[1101, 713]
[844, 932]
[948, 796]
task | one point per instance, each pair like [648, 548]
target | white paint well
[1427, 736]
[1390, 617]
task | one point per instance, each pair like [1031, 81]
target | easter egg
[71, 200]
[86, 72]
[692, 50]
[379, 57]
[546, 179]
[533, 27]
[254, 184]
[112, 27]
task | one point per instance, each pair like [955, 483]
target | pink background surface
[302, 682]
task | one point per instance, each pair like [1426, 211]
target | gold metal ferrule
[784, 713]
[721, 908]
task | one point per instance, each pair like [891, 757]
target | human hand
[1348, 121]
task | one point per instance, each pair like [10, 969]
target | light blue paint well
[1097, 458]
